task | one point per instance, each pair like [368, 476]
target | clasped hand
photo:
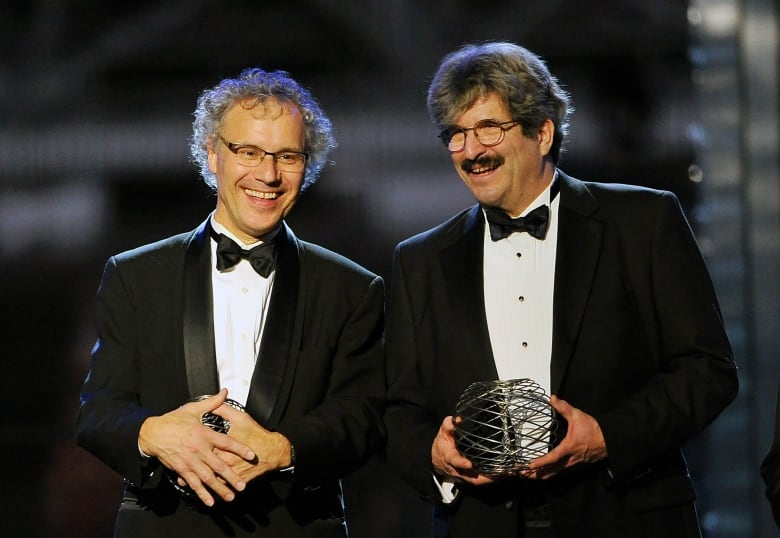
[207, 461]
[583, 443]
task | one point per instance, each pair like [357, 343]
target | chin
[486, 198]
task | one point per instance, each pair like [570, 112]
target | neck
[532, 191]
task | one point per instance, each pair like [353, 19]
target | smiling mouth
[482, 169]
[481, 166]
[263, 195]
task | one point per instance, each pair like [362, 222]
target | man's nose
[266, 170]
[472, 147]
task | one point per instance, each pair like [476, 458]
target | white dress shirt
[519, 273]
[240, 299]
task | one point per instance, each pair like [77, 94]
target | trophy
[216, 423]
[504, 424]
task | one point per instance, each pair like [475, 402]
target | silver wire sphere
[504, 424]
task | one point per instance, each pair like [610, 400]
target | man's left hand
[583, 443]
[273, 449]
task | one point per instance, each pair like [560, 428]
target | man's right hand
[180, 441]
[448, 462]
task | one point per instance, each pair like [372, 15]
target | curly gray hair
[259, 85]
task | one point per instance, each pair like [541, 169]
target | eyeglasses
[488, 133]
[285, 161]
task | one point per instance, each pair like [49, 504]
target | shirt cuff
[447, 489]
[144, 456]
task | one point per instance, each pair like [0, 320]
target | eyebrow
[280, 150]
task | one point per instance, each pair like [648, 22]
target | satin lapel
[579, 243]
[464, 278]
[282, 328]
[198, 329]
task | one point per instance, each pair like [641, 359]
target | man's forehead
[267, 108]
[485, 102]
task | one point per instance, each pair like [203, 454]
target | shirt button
[245, 290]
[525, 344]
[521, 298]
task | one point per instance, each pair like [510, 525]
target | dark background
[95, 105]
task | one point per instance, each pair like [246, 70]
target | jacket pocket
[660, 492]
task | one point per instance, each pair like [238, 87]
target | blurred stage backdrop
[96, 101]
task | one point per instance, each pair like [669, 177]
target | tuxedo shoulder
[625, 192]
[443, 234]
[173, 245]
[625, 198]
[329, 261]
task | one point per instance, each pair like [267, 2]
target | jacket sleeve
[695, 375]
[411, 427]
[770, 468]
[110, 416]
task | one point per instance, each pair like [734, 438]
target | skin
[273, 448]
[251, 202]
[180, 441]
[510, 176]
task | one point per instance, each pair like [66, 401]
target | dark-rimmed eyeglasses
[488, 132]
[285, 161]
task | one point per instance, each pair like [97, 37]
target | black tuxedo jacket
[770, 467]
[638, 343]
[318, 380]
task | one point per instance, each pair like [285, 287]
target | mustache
[486, 161]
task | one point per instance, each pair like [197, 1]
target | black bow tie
[229, 253]
[502, 225]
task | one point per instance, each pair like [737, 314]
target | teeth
[258, 194]
[481, 170]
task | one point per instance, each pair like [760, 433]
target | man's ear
[545, 136]
[212, 157]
